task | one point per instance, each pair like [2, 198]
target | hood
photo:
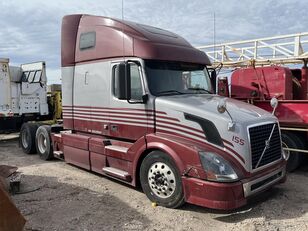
[198, 119]
[205, 106]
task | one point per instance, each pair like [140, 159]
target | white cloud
[30, 30]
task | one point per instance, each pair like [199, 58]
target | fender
[182, 152]
[168, 150]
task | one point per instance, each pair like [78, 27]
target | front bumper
[264, 182]
[227, 196]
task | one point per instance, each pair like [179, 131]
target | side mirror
[213, 79]
[223, 87]
[221, 106]
[122, 81]
[274, 104]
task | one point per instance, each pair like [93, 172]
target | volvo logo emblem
[267, 144]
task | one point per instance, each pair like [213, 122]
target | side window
[25, 75]
[114, 83]
[195, 79]
[87, 40]
[31, 76]
[37, 77]
[136, 86]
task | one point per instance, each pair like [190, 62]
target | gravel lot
[69, 198]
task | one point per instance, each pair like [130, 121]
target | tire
[291, 140]
[43, 142]
[27, 137]
[161, 181]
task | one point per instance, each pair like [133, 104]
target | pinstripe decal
[142, 118]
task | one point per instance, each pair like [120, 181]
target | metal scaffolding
[284, 49]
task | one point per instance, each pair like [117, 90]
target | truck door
[5, 88]
[91, 97]
[33, 97]
[130, 120]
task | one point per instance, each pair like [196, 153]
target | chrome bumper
[263, 182]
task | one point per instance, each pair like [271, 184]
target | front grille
[258, 137]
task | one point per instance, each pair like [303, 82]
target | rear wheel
[27, 137]
[291, 140]
[161, 181]
[43, 142]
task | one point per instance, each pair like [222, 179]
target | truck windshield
[174, 78]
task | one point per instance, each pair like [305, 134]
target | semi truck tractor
[23, 93]
[138, 106]
[25, 96]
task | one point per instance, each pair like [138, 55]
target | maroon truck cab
[138, 107]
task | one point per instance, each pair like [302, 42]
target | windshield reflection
[173, 78]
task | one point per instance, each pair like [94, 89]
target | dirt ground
[64, 197]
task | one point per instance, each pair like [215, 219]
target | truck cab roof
[84, 38]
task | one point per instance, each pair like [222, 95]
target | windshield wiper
[199, 89]
[168, 92]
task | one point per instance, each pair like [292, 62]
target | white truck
[23, 93]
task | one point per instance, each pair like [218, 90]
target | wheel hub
[42, 143]
[24, 139]
[161, 180]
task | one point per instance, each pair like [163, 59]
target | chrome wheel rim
[24, 139]
[42, 143]
[286, 153]
[161, 180]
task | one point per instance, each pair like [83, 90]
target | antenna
[123, 30]
[214, 36]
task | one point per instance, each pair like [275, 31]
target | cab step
[118, 173]
[58, 154]
[116, 148]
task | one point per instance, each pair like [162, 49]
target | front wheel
[161, 181]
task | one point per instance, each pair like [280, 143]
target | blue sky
[30, 30]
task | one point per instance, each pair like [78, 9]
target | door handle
[114, 127]
[86, 78]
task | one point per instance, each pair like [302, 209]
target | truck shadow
[48, 204]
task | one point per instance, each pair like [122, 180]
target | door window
[136, 85]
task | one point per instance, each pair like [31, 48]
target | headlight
[217, 168]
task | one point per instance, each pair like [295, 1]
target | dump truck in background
[265, 68]
[24, 95]
[138, 107]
